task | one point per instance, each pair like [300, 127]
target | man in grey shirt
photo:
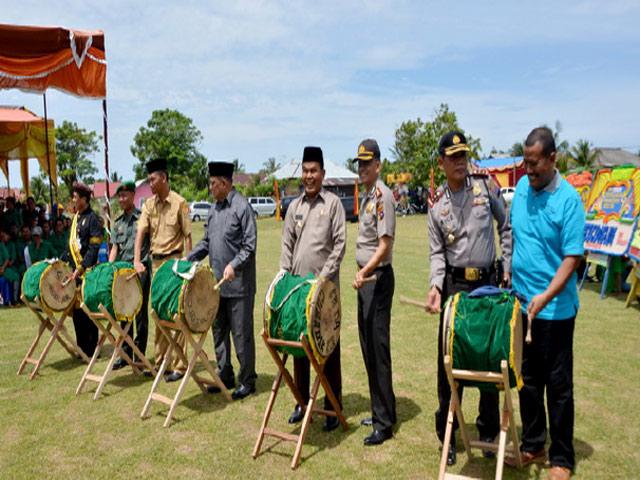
[230, 239]
[313, 241]
[376, 233]
[463, 253]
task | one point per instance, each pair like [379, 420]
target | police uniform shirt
[377, 218]
[461, 232]
[314, 236]
[123, 235]
[230, 238]
[167, 222]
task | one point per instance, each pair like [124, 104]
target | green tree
[74, 148]
[270, 166]
[416, 145]
[115, 177]
[350, 165]
[517, 149]
[170, 134]
[237, 166]
[582, 154]
[39, 189]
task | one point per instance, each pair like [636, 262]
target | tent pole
[46, 141]
[106, 160]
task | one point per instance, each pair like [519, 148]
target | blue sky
[263, 79]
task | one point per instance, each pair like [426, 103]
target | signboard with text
[612, 210]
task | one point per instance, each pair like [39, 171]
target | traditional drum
[185, 289]
[114, 286]
[296, 306]
[45, 281]
[482, 329]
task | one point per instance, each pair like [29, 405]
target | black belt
[158, 256]
[470, 274]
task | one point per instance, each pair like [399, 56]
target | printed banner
[634, 249]
[582, 183]
[612, 209]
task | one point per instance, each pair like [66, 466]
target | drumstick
[132, 276]
[64, 283]
[218, 285]
[528, 338]
[410, 301]
[372, 278]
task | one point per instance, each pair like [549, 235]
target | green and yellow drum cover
[115, 286]
[479, 332]
[44, 281]
[296, 306]
[185, 289]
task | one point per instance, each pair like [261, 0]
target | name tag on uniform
[298, 216]
[479, 201]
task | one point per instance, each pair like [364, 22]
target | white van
[263, 205]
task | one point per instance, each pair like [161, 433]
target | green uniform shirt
[45, 251]
[123, 234]
[10, 218]
[59, 242]
[11, 273]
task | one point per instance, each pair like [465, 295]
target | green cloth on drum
[288, 315]
[166, 288]
[482, 335]
[97, 286]
[31, 280]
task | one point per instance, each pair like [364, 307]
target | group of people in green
[27, 236]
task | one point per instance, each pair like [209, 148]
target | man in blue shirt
[548, 219]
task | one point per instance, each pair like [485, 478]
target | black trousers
[547, 363]
[86, 332]
[488, 420]
[235, 317]
[374, 320]
[301, 373]
[142, 319]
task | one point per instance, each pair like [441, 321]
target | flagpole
[46, 141]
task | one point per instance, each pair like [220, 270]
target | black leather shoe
[366, 422]
[451, 455]
[378, 437]
[120, 363]
[173, 376]
[330, 423]
[488, 453]
[297, 415]
[216, 389]
[147, 373]
[242, 391]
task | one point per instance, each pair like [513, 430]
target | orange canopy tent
[36, 58]
[22, 136]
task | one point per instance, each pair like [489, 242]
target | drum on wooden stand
[185, 289]
[296, 306]
[114, 286]
[45, 281]
[482, 329]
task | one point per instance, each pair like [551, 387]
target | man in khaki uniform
[165, 218]
[376, 231]
[313, 241]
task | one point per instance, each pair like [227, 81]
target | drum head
[200, 301]
[446, 327]
[266, 311]
[127, 294]
[324, 321]
[53, 293]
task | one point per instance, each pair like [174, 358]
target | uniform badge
[479, 201]
[380, 211]
[450, 239]
[476, 189]
[299, 224]
[369, 208]
[444, 212]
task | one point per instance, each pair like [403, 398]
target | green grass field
[48, 432]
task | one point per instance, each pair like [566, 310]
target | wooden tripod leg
[510, 414]
[305, 422]
[267, 413]
[457, 406]
[217, 381]
[134, 348]
[122, 335]
[163, 367]
[52, 338]
[43, 326]
[447, 440]
[104, 334]
[117, 348]
[285, 373]
[319, 369]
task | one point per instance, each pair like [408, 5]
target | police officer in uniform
[123, 239]
[463, 254]
[85, 238]
[313, 241]
[376, 232]
[230, 239]
[165, 218]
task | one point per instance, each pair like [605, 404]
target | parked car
[199, 211]
[507, 194]
[347, 204]
[263, 206]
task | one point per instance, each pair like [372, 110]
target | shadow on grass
[67, 364]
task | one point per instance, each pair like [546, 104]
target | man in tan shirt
[165, 218]
[313, 241]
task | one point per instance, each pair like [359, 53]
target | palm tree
[582, 154]
[115, 177]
